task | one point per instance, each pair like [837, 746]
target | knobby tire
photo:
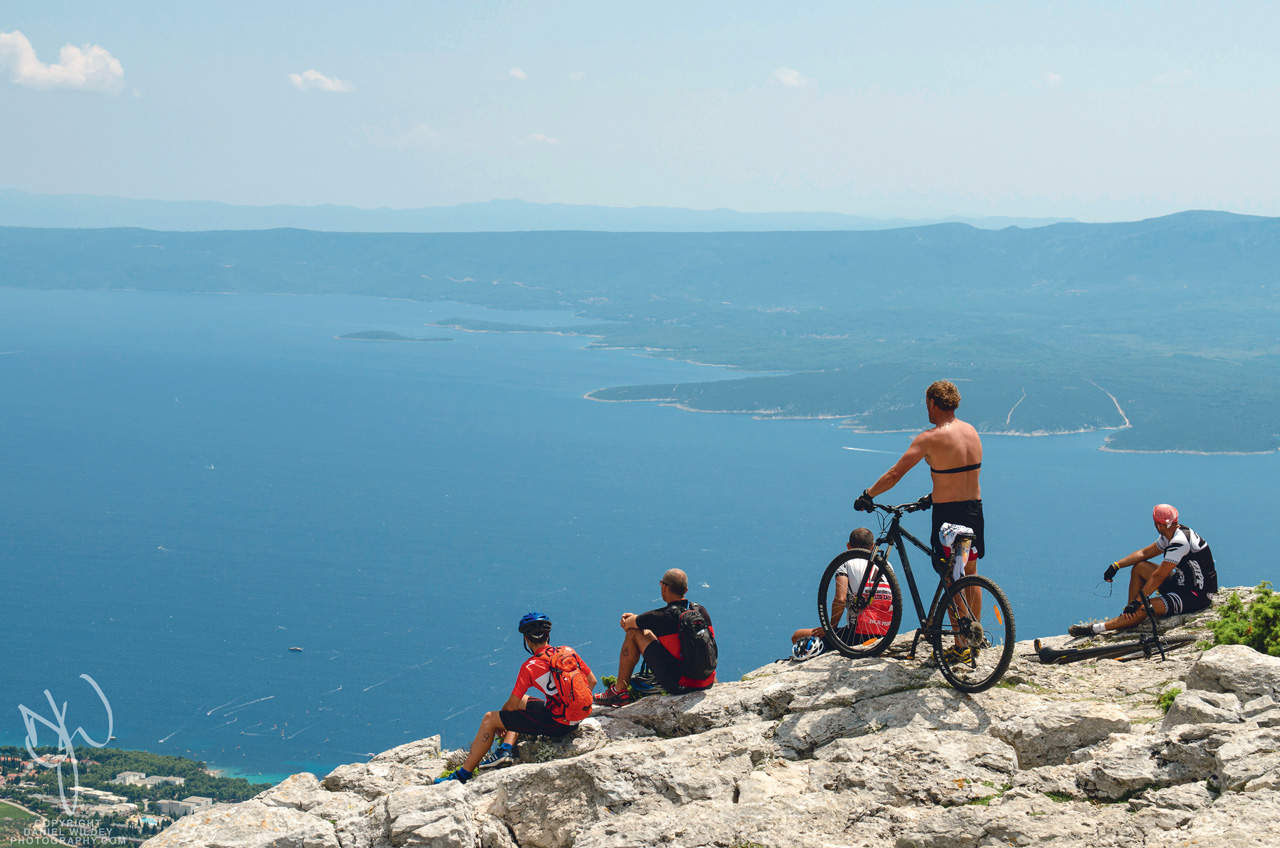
[990, 626]
[868, 645]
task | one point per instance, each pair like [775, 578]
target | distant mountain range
[76, 211]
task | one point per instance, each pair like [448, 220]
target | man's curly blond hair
[945, 395]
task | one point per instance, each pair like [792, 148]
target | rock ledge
[837, 752]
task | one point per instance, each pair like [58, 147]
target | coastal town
[49, 799]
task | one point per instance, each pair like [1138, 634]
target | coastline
[356, 339]
[655, 352]
[1187, 452]
[252, 776]
[765, 415]
[532, 331]
[757, 414]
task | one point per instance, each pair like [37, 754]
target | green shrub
[1257, 625]
[1165, 701]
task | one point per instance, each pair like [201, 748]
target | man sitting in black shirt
[655, 635]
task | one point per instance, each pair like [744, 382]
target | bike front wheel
[873, 608]
[972, 634]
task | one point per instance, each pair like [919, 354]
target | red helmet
[1164, 515]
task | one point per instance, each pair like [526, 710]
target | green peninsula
[387, 336]
[1161, 331]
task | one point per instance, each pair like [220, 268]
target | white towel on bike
[947, 534]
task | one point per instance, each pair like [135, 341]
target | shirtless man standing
[953, 450]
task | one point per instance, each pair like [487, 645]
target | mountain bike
[969, 623]
[1145, 647]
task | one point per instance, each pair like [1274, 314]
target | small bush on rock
[1257, 625]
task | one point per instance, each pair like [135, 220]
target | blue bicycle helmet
[535, 624]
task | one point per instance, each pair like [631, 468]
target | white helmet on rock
[807, 648]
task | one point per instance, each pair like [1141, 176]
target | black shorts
[666, 669]
[534, 718]
[1180, 600]
[967, 513]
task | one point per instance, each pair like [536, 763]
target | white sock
[1099, 627]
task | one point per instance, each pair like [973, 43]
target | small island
[387, 336]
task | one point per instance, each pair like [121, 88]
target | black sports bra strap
[957, 469]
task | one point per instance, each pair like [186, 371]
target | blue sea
[194, 484]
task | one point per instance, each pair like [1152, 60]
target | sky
[1098, 111]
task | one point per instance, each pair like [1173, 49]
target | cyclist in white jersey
[1185, 578]
[872, 621]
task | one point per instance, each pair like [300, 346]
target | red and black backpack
[571, 702]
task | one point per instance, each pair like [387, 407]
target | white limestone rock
[251, 824]
[1195, 706]
[870, 752]
[420, 753]
[1239, 669]
[1249, 761]
[300, 791]
[358, 822]
[437, 816]
[376, 779]
[1183, 797]
[589, 736]
[1045, 734]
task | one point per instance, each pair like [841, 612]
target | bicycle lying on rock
[971, 653]
[1146, 646]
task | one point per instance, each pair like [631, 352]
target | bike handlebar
[901, 509]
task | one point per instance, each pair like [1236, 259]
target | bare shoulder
[925, 437]
[967, 432]
[923, 441]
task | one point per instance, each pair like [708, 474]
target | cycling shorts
[967, 513]
[666, 669]
[534, 718]
[1180, 600]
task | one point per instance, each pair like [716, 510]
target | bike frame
[893, 537]
[1147, 644]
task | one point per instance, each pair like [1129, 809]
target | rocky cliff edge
[837, 752]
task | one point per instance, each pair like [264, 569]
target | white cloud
[401, 138]
[790, 77]
[1053, 78]
[578, 76]
[313, 80]
[517, 73]
[543, 139]
[88, 68]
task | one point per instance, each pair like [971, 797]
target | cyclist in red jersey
[655, 635]
[522, 713]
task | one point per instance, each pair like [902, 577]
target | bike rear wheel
[972, 634]
[868, 605]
